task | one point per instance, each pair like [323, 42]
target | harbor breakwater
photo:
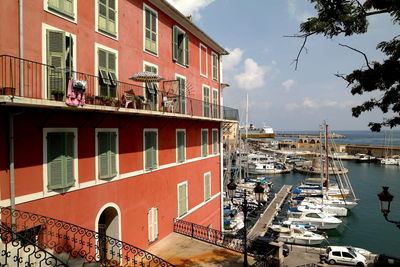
[376, 151]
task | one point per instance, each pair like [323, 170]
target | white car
[344, 255]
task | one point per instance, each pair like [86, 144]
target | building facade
[83, 143]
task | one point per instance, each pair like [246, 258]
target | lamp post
[385, 199]
[259, 192]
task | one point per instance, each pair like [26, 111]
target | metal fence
[42, 81]
[31, 234]
[208, 235]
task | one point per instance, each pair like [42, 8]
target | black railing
[208, 235]
[42, 81]
[63, 238]
[16, 250]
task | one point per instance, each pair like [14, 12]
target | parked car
[261, 246]
[343, 255]
[386, 260]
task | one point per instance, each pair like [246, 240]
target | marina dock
[261, 227]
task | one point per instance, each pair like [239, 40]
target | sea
[365, 226]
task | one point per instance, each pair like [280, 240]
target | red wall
[129, 43]
[134, 195]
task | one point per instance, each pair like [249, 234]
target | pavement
[181, 250]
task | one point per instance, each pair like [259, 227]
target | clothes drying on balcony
[76, 93]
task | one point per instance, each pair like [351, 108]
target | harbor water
[364, 226]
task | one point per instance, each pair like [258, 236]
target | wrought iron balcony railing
[68, 242]
[208, 235]
[41, 81]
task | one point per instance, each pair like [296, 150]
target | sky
[260, 63]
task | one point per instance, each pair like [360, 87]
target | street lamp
[385, 199]
[259, 192]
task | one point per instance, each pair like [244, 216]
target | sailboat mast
[247, 113]
[326, 156]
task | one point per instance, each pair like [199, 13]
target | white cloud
[253, 75]
[308, 103]
[288, 84]
[190, 7]
[233, 59]
[291, 106]
[294, 12]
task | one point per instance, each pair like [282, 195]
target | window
[107, 17]
[215, 103]
[151, 88]
[182, 94]
[150, 30]
[347, 255]
[60, 159]
[215, 66]
[204, 142]
[180, 145]
[107, 153]
[182, 199]
[207, 186]
[63, 7]
[336, 253]
[152, 219]
[60, 56]
[150, 149]
[107, 73]
[180, 46]
[206, 101]
[215, 141]
[203, 60]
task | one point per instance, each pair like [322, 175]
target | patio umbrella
[146, 77]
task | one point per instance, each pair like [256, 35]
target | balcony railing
[32, 235]
[41, 81]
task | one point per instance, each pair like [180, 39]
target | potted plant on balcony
[58, 94]
[108, 100]
[89, 99]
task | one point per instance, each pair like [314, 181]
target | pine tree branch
[365, 56]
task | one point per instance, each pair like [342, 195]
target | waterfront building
[83, 143]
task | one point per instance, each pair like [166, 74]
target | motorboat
[286, 226]
[364, 158]
[390, 161]
[335, 202]
[321, 220]
[335, 211]
[268, 167]
[300, 237]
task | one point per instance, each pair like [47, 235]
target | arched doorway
[108, 224]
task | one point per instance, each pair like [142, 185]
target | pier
[261, 227]
[306, 135]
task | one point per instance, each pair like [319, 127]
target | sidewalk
[182, 251]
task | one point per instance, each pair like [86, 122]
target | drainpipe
[11, 167]
[21, 46]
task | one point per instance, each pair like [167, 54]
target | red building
[131, 156]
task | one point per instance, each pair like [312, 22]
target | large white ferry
[253, 132]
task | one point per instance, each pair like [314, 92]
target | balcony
[51, 87]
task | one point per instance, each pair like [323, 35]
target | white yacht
[336, 202]
[300, 237]
[335, 211]
[321, 220]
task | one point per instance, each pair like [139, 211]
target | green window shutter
[182, 199]
[215, 67]
[112, 69]
[204, 143]
[175, 43]
[207, 186]
[55, 158]
[65, 7]
[107, 16]
[186, 50]
[215, 142]
[113, 154]
[150, 31]
[54, 4]
[154, 150]
[68, 7]
[206, 101]
[69, 159]
[107, 72]
[150, 150]
[181, 146]
[56, 57]
[215, 104]
[103, 155]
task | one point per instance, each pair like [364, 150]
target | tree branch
[378, 12]
[365, 56]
